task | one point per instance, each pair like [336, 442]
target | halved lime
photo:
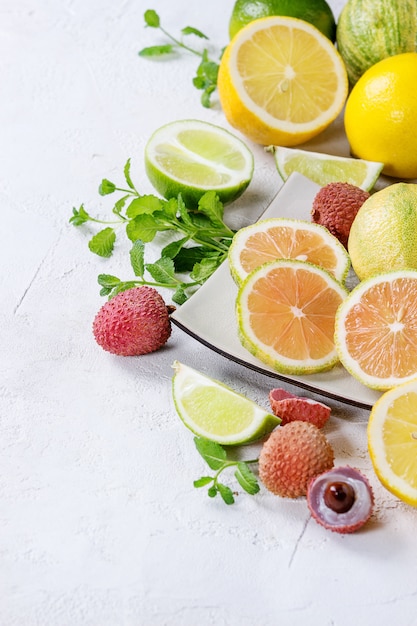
[214, 411]
[191, 157]
[326, 168]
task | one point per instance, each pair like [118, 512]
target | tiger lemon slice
[392, 440]
[286, 313]
[281, 81]
[376, 330]
[283, 238]
[191, 157]
[214, 411]
[326, 168]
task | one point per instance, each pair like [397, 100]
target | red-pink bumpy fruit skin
[291, 456]
[289, 407]
[350, 523]
[335, 206]
[134, 322]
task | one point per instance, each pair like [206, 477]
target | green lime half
[191, 157]
[326, 168]
[214, 411]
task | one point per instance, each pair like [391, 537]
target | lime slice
[212, 410]
[191, 157]
[326, 168]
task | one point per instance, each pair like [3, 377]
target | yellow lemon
[281, 81]
[392, 441]
[383, 235]
[381, 115]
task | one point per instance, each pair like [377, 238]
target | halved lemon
[392, 440]
[214, 411]
[326, 168]
[191, 157]
[286, 313]
[281, 81]
[376, 330]
[284, 238]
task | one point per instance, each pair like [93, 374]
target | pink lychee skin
[290, 407]
[335, 206]
[134, 322]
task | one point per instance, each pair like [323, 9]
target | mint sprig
[202, 245]
[207, 71]
[217, 459]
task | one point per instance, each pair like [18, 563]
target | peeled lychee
[340, 499]
[335, 206]
[293, 455]
[134, 322]
[290, 407]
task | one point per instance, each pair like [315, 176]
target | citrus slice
[283, 238]
[376, 330]
[392, 440]
[191, 157]
[286, 312]
[214, 411]
[325, 168]
[281, 81]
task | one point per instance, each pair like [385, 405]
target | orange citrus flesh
[292, 310]
[286, 243]
[381, 330]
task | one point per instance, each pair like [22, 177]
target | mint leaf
[212, 452]
[226, 493]
[108, 281]
[137, 255]
[203, 270]
[79, 216]
[212, 492]
[156, 51]
[126, 171]
[172, 249]
[211, 206]
[144, 205]
[203, 481]
[152, 18]
[179, 296]
[163, 271]
[246, 478]
[119, 205]
[142, 227]
[189, 30]
[106, 187]
[102, 243]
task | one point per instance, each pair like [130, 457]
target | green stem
[230, 464]
[180, 43]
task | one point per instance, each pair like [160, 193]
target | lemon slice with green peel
[285, 238]
[214, 411]
[286, 315]
[326, 168]
[392, 440]
[191, 157]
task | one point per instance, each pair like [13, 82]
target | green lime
[326, 168]
[191, 157]
[214, 411]
[317, 13]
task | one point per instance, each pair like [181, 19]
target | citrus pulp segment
[214, 411]
[191, 157]
[277, 238]
[392, 440]
[376, 330]
[325, 168]
[286, 312]
[281, 81]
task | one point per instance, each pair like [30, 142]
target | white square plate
[209, 315]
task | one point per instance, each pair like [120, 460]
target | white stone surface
[99, 522]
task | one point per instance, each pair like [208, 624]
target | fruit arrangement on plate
[288, 71]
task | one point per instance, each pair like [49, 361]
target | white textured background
[99, 522]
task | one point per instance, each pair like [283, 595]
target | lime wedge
[214, 411]
[326, 168]
[191, 157]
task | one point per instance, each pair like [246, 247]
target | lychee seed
[134, 322]
[293, 455]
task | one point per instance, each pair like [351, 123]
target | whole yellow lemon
[381, 115]
[383, 235]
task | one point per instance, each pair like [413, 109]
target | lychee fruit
[134, 322]
[335, 206]
[340, 499]
[293, 455]
[290, 407]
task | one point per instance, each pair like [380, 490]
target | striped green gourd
[370, 30]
